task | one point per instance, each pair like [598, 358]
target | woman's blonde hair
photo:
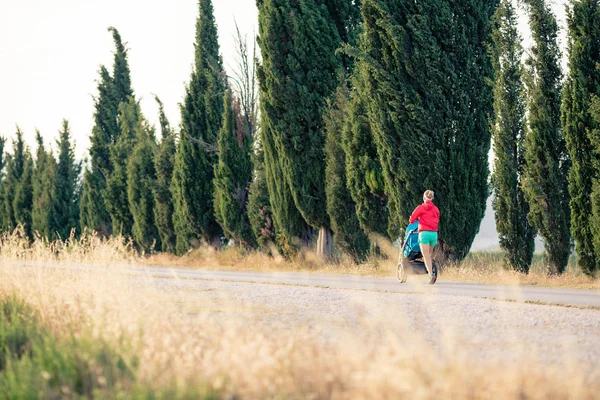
[428, 195]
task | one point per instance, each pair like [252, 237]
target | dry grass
[483, 267]
[239, 360]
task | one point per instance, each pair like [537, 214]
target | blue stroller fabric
[411, 248]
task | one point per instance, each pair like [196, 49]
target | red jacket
[428, 216]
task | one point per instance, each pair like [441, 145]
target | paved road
[573, 297]
[587, 298]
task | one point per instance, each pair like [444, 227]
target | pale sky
[51, 51]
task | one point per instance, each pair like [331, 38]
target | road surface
[416, 284]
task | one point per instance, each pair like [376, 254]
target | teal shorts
[428, 237]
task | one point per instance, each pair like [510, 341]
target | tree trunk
[325, 242]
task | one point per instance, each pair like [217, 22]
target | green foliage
[364, 173]
[201, 115]
[97, 198]
[34, 363]
[92, 211]
[581, 129]
[259, 204]
[116, 199]
[2, 163]
[141, 175]
[163, 165]
[42, 186]
[341, 208]
[233, 174]
[121, 74]
[426, 70]
[517, 236]
[290, 227]
[547, 162]
[23, 200]
[298, 42]
[66, 194]
[17, 190]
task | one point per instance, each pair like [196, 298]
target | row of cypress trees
[40, 194]
[363, 105]
[545, 175]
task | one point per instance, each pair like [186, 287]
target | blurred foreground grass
[68, 334]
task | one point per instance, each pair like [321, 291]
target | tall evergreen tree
[128, 117]
[2, 175]
[582, 84]
[66, 195]
[163, 165]
[259, 204]
[298, 42]
[202, 113]
[517, 236]
[112, 91]
[364, 173]
[93, 212]
[547, 162]
[348, 233]
[17, 186]
[141, 177]
[42, 184]
[116, 197]
[246, 83]
[429, 102]
[290, 228]
[233, 174]
[23, 197]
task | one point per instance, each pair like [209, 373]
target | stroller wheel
[401, 272]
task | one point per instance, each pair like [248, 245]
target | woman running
[428, 216]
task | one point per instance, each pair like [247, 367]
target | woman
[428, 216]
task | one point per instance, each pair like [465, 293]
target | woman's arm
[415, 215]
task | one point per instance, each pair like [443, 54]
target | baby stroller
[411, 259]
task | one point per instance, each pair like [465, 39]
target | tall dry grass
[185, 343]
[90, 249]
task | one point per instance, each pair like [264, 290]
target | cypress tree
[427, 67]
[42, 184]
[259, 204]
[92, 209]
[121, 73]
[8, 216]
[547, 162]
[201, 115]
[341, 208]
[117, 201]
[582, 84]
[364, 173]
[141, 176]
[23, 198]
[17, 186]
[66, 196]
[233, 174]
[298, 42]
[163, 165]
[112, 91]
[121, 146]
[2, 176]
[93, 212]
[290, 228]
[517, 236]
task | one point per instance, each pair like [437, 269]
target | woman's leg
[426, 250]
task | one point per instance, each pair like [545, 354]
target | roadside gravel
[486, 331]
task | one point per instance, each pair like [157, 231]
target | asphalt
[416, 284]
